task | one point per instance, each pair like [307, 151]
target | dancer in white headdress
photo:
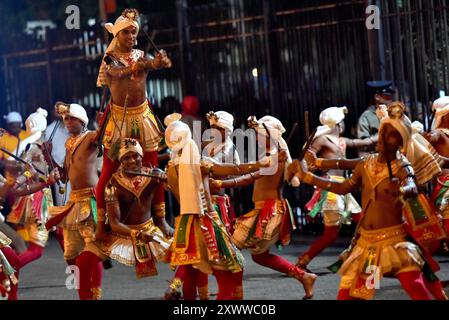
[336, 209]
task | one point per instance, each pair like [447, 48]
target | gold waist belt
[390, 233]
[260, 204]
[130, 111]
[81, 194]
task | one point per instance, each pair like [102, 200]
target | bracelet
[319, 163]
[308, 178]
[27, 174]
[10, 180]
[101, 215]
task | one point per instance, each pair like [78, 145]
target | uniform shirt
[367, 126]
[10, 142]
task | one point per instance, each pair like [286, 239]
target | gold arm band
[319, 163]
[219, 183]
[101, 215]
[159, 210]
[308, 178]
[159, 206]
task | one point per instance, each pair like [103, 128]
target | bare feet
[308, 280]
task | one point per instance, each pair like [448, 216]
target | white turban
[179, 139]
[177, 134]
[37, 121]
[221, 119]
[36, 124]
[171, 118]
[76, 111]
[441, 108]
[127, 19]
[274, 126]
[329, 118]
[130, 145]
[13, 116]
[332, 116]
[276, 129]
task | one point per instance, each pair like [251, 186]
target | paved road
[45, 278]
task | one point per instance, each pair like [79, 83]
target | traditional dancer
[381, 246]
[8, 281]
[124, 70]
[30, 210]
[220, 149]
[9, 261]
[78, 216]
[270, 221]
[422, 221]
[139, 234]
[201, 242]
[439, 138]
[336, 209]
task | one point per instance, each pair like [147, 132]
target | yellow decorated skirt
[203, 242]
[378, 253]
[270, 221]
[135, 122]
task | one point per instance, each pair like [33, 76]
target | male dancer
[336, 209]
[270, 221]
[381, 241]
[78, 216]
[124, 70]
[139, 234]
